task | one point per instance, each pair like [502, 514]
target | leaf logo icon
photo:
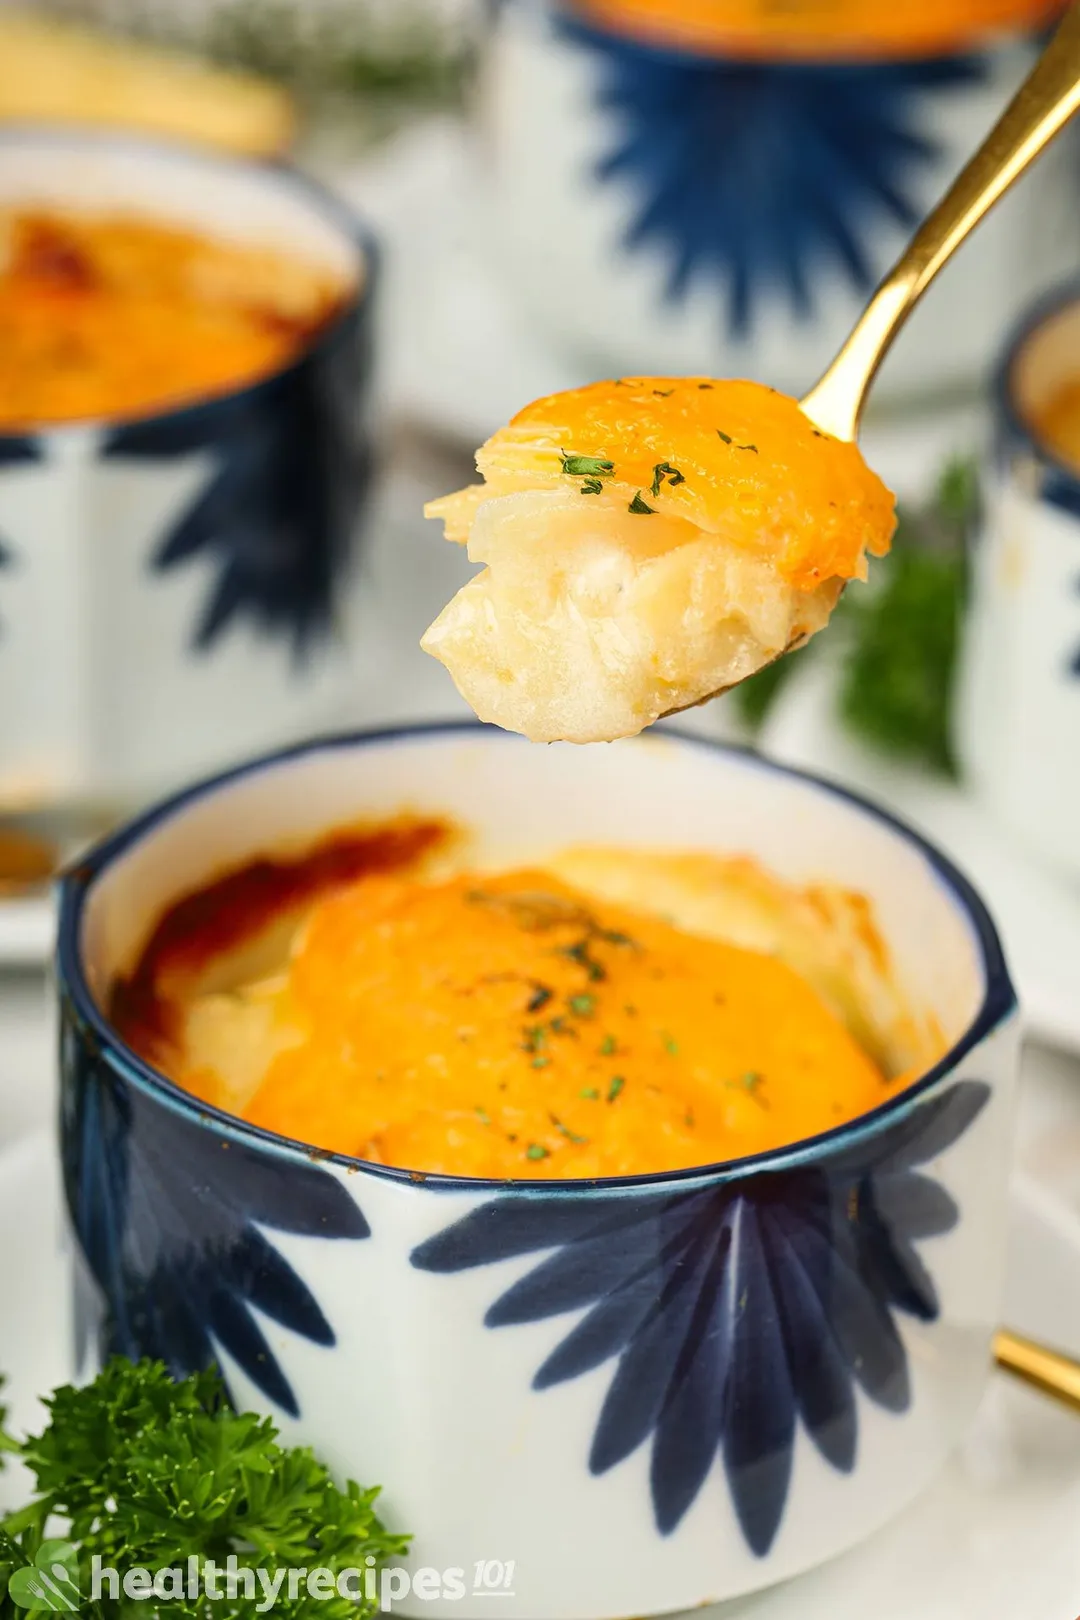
[51, 1582]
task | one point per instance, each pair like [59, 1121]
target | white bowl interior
[519, 801]
[1046, 360]
[223, 198]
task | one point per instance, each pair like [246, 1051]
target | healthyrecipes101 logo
[50, 1582]
[54, 1582]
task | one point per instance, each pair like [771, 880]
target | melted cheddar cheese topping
[515, 1026]
[648, 542]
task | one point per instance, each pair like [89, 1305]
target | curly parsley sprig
[147, 1472]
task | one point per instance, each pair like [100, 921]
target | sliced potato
[640, 557]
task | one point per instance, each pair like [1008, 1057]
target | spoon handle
[1046, 1370]
[1041, 107]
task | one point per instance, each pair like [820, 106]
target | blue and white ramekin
[661, 207]
[1018, 709]
[645, 1393]
[175, 589]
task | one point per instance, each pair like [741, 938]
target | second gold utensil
[1046, 1370]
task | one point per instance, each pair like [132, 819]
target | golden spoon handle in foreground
[1043, 105]
[1046, 1370]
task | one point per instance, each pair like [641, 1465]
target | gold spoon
[1046, 1370]
[1041, 108]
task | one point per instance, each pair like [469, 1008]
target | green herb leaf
[592, 486]
[539, 998]
[607, 1046]
[663, 393]
[725, 436]
[579, 952]
[585, 466]
[615, 1087]
[564, 1130]
[590, 1093]
[670, 1046]
[582, 1006]
[898, 683]
[482, 1115]
[638, 505]
[148, 1473]
[751, 1082]
[662, 470]
[536, 1150]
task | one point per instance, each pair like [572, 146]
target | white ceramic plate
[996, 1536]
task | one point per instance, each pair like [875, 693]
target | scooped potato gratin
[647, 543]
[603, 1012]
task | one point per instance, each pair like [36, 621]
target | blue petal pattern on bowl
[735, 1310]
[762, 176]
[279, 515]
[172, 1250]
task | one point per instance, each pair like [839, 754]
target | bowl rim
[999, 1001]
[1053, 302]
[323, 201]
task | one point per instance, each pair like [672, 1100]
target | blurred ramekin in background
[671, 187]
[1018, 715]
[173, 587]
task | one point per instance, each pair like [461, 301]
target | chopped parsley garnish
[590, 1094]
[535, 1037]
[725, 436]
[592, 486]
[640, 506]
[704, 385]
[662, 470]
[537, 1150]
[750, 1082]
[482, 1115]
[615, 1087]
[670, 1045]
[688, 1119]
[539, 998]
[579, 953]
[559, 1026]
[541, 1062]
[663, 393]
[582, 1006]
[571, 1136]
[752, 447]
[607, 1046]
[585, 466]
